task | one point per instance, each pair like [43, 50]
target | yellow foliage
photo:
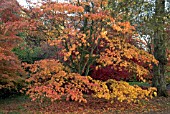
[122, 91]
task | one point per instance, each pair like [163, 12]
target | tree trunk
[159, 80]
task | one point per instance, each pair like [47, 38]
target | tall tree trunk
[159, 80]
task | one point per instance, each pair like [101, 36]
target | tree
[92, 37]
[85, 38]
[151, 19]
[160, 48]
[11, 73]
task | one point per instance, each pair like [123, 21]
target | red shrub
[106, 73]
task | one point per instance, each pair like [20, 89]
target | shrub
[27, 54]
[50, 79]
[30, 54]
[105, 73]
[122, 91]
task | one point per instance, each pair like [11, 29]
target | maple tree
[85, 38]
[11, 73]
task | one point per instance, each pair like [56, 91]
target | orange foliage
[90, 38]
[84, 38]
[101, 39]
[50, 79]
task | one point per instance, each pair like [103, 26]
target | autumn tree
[85, 38]
[151, 18]
[11, 73]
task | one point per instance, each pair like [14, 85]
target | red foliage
[108, 72]
[10, 67]
[9, 10]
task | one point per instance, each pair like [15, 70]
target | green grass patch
[143, 84]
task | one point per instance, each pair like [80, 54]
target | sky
[23, 2]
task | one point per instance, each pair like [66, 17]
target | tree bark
[159, 80]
